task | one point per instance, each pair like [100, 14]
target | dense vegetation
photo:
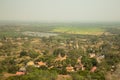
[45, 58]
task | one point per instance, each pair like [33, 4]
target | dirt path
[6, 75]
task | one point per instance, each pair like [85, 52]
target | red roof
[41, 63]
[93, 69]
[20, 73]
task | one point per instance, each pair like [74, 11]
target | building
[92, 55]
[20, 73]
[30, 63]
[70, 69]
[41, 63]
[22, 69]
[93, 69]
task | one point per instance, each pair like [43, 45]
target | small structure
[60, 58]
[1, 44]
[22, 69]
[30, 63]
[93, 69]
[20, 73]
[79, 66]
[79, 59]
[41, 63]
[92, 55]
[70, 69]
[51, 67]
[83, 67]
[113, 68]
[100, 58]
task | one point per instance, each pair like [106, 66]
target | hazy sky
[60, 10]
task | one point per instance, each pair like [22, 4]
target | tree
[23, 53]
[59, 51]
[12, 69]
[86, 61]
[33, 54]
[94, 61]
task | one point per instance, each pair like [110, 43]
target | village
[66, 56]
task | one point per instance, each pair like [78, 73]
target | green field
[80, 30]
[14, 30]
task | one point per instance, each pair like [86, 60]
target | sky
[60, 10]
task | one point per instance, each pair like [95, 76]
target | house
[30, 63]
[22, 69]
[63, 58]
[79, 60]
[41, 63]
[83, 67]
[92, 55]
[79, 66]
[20, 73]
[60, 58]
[100, 58]
[93, 69]
[70, 68]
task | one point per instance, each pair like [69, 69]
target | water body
[38, 34]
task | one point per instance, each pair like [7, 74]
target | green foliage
[67, 62]
[94, 62]
[37, 75]
[12, 69]
[33, 54]
[76, 76]
[73, 54]
[86, 75]
[87, 62]
[112, 59]
[8, 64]
[46, 52]
[83, 73]
[9, 46]
[23, 53]
[31, 69]
[97, 76]
[1, 69]
[59, 51]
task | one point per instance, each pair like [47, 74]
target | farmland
[90, 30]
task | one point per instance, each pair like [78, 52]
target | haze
[60, 10]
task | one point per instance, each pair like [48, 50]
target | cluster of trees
[86, 75]
[36, 74]
[31, 54]
[8, 65]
